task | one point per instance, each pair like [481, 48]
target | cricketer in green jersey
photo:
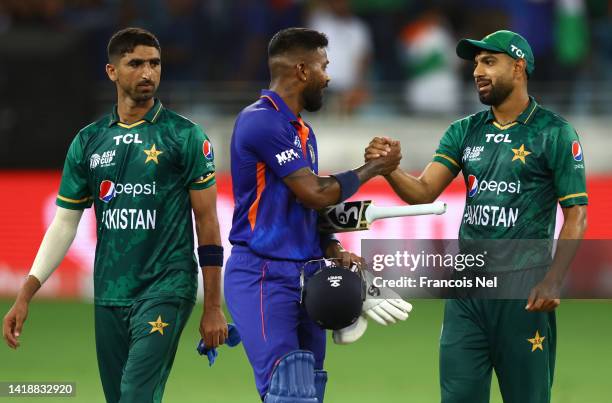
[518, 161]
[144, 169]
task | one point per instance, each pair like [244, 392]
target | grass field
[395, 364]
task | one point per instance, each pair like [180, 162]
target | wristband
[349, 184]
[210, 255]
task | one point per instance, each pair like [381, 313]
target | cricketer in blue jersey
[277, 192]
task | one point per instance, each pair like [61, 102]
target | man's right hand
[13, 323]
[384, 153]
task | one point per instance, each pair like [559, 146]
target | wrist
[212, 306]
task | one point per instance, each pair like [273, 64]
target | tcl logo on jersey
[576, 151]
[498, 138]
[287, 156]
[109, 189]
[127, 139]
[207, 150]
[475, 186]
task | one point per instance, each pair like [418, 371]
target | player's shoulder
[463, 125]
[259, 118]
[94, 128]
[549, 121]
[178, 122]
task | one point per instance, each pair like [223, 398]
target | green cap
[508, 42]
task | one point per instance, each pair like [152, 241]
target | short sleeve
[280, 149]
[74, 192]
[566, 161]
[449, 149]
[198, 160]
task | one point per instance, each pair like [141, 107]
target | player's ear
[111, 72]
[302, 71]
[520, 67]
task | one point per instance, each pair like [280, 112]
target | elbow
[313, 200]
[313, 203]
[418, 199]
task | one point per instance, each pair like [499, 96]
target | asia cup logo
[576, 151]
[207, 150]
[107, 191]
[472, 185]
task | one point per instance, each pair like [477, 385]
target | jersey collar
[278, 104]
[151, 116]
[523, 118]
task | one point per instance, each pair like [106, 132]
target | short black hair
[125, 40]
[296, 38]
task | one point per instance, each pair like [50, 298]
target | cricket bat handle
[375, 212]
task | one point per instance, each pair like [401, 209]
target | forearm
[209, 234]
[327, 190]
[28, 289]
[55, 244]
[212, 287]
[570, 236]
[409, 188]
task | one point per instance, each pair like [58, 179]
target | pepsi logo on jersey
[576, 151]
[207, 150]
[475, 186]
[108, 189]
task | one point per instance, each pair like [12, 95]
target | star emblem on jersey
[520, 153]
[158, 326]
[152, 154]
[536, 342]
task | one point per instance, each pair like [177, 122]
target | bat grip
[376, 212]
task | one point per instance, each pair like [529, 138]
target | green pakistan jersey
[514, 174]
[138, 178]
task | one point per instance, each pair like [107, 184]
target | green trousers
[136, 346]
[481, 335]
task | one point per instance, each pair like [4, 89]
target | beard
[312, 98]
[497, 94]
[140, 94]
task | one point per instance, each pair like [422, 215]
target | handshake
[383, 155]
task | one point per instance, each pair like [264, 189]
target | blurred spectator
[254, 23]
[385, 19]
[178, 27]
[428, 50]
[349, 53]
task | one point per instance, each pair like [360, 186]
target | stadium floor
[394, 364]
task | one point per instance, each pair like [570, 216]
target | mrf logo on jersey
[207, 150]
[577, 151]
[287, 156]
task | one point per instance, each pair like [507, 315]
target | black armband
[210, 255]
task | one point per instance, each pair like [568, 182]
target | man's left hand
[544, 297]
[336, 251]
[213, 327]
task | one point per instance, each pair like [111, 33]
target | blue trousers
[263, 297]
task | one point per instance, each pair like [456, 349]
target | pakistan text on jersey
[131, 218]
[495, 216]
